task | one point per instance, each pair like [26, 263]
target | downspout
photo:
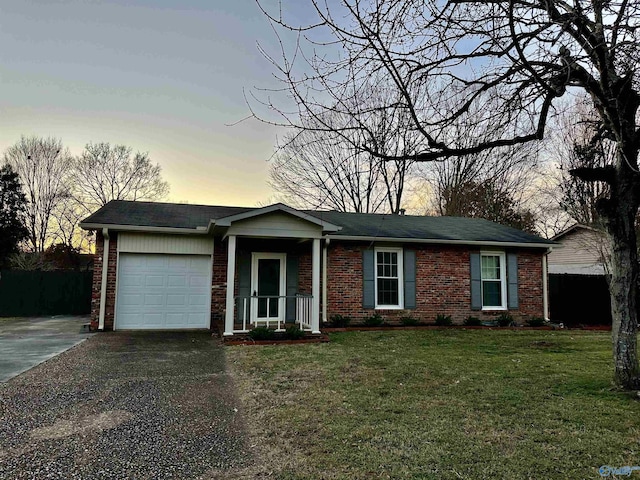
[324, 280]
[103, 284]
[545, 286]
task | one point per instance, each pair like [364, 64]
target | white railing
[247, 308]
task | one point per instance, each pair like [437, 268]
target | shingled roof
[155, 214]
[409, 227]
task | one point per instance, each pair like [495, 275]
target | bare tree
[509, 60]
[317, 169]
[105, 172]
[576, 142]
[314, 170]
[42, 165]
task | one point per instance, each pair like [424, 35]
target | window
[493, 277]
[388, 269]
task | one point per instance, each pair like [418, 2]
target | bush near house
[374, 320]
[472, 321]
[443, 320]
[340, 321]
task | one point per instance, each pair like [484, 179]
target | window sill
[389, 307]
[494, 309]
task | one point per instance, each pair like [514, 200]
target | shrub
[472, 322]
[340, 321]
[536, 322]
[374, 320]
[409, 321]
[443, 320]
[505, 320]
[262, 333]
[293, 332]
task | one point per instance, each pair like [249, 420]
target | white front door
[268, 287]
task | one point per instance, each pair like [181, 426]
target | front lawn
[436, 404]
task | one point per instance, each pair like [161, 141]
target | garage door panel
[198, 300]
[196, 319]
[131, 300]
[154, 281]
[176, 320]
[180, 262]
[157, 291]
[153, 320]
[198, 281]
[176, 300]
[177, 281]
[131, 319]
[130, 280]
[153, 300]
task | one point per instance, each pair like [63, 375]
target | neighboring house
[580, 251]
[578, 288]
[169, 265]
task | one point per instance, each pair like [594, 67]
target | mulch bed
[428, 327]
[249, 341]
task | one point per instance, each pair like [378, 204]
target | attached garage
[163, 283]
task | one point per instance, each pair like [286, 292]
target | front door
[268, 286]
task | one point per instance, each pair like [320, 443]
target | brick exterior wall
[443, 284]
[111, 281]
[219, 283]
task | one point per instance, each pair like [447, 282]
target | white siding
[276, 224]
[580, 247]
[163, 243]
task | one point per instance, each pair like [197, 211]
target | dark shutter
[292, 287]
[512, 281]
[409, 279]
[243, 262]
[476, 282]
[368, 279]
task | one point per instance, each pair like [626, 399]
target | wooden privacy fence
[26, 293]
[579, 299]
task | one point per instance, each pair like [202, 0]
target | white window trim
[503, 280]
[399, 251]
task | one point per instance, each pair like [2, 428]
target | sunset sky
[163, 76]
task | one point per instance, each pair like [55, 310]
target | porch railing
[246, 316]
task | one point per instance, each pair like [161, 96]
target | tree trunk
[620, 221]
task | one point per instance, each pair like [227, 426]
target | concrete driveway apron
[27, 342]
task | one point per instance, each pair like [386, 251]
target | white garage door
[159, 291]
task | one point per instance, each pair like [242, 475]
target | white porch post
[231, 277]
[315, 287]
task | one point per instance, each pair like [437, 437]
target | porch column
[231, 278]
[315, 287]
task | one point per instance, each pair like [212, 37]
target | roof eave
[143, 228]
[278, 207]
[434, 241]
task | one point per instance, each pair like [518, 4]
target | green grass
[437, 404]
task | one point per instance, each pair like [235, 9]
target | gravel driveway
[119, 405]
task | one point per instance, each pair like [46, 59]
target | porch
[264, 311]
[273, 283]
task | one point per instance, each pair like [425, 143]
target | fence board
[32, 293]
[579, 299]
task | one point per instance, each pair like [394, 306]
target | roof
[426, 227]
[153, 215]
[573, 228]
